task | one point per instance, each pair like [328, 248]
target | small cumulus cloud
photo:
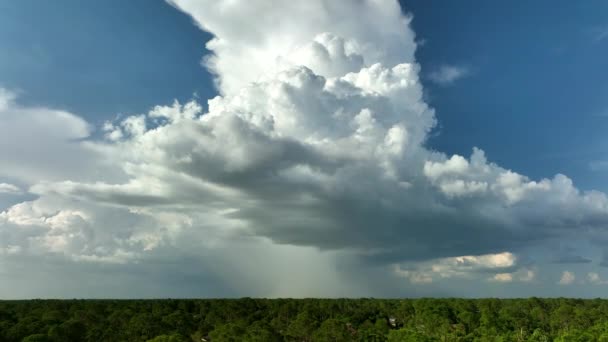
[448, 74]
[595, 279]
[502, 277]
[523, 275]
[567, 278]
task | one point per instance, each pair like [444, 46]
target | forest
[305, 320]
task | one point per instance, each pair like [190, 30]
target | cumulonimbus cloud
[317, 139]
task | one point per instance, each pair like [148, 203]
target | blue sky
[524, 82]
[533, 93]
[105, 58]
[535, 96]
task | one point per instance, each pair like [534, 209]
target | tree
[36, 338]
[231, 332]
[143, 326]
[178, 321]
[575, 335]
[381, 327]
[170, 338]
[332, 330]
[301, 328]
[72, 330]
[407, 335]
[539, 336]
[261, 332]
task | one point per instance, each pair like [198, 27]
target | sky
[372, 148]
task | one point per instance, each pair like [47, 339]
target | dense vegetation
[305, 320]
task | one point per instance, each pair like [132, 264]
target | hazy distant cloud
[567, 278]
[571, 259]
[598, 165]
[602, 113]
[600, 33]
[604, 260]
[527, 275]
[569, 255]
[414, 276]
[421, 42]
[448, 74]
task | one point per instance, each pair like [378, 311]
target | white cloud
[317, 142]
[461, 267]
[6, 188]
[523, 275]
[297, 33]
[456, 165]
[502, 277]
[567, 278]
[448, 267]
[594, 278]
[448, 74]
[39, 143]
[7, 99]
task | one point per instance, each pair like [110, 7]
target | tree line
[304, 320]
